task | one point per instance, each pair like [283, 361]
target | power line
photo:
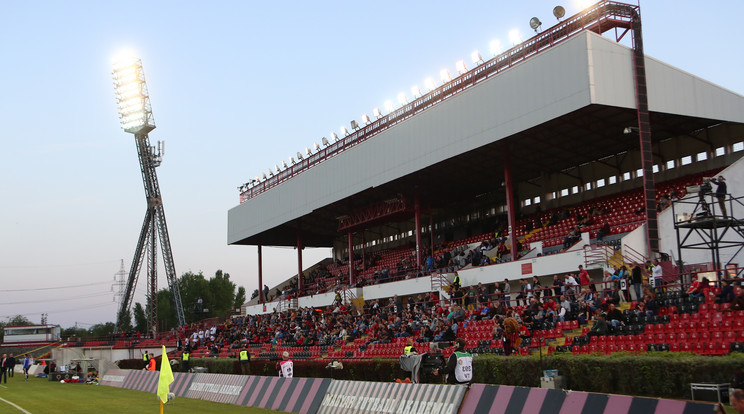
[58, 265]
[54, 288]
[90, 295]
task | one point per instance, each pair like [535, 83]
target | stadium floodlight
[308, 152]
[257, 180]
[240, 188]
[389, 106]
[344, 130]
[135, 112]
[444, 75]
[496, 47]
[263, 176]
[292, 160]
[415, 91]
[284, 165]
[430, 84]
[376, 112]
[476, 57]
[271, 172]
[299, 156]
[277, 169]
[334, 136]
[366, 119]
[559, 12]
[515, 37]
[535, 24]
[325, 142]
[460, 66]
[354, 124]
[402, 98]
[316, 146]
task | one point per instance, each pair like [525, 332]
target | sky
[236, 87]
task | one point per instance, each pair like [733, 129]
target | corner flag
[166, 378]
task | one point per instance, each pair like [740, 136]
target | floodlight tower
[136, 118]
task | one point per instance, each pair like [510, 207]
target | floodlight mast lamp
[136, 118]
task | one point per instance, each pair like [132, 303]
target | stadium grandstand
[568, 149]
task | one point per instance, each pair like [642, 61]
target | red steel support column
[351, 259]
[510, 207]
[417, 223]
[299, 261]
[261, 298]
[431, 232]
[364, 251]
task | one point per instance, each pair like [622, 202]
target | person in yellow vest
[152, 365]
[185, 360]
[245, 359]
[409, 349]
[146, 359]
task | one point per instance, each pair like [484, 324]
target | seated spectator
[572, 237]
[615, 317]
[727, 293]
[604, 231]
[600, 326]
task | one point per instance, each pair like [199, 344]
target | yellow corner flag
[166, 378]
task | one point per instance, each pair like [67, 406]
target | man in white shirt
[657, 273]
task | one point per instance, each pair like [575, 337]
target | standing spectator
[4, 368]
[536, 287]
[585, 280]
[657, 274]
[557, 286]
[636, 278]
[570, 285]
[721, 193]
[506, 294]
[11, 365]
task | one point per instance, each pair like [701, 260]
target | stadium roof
[564, 107]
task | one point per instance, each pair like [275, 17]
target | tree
[125, 321]
[18, 320]
[192, 287]
[101, 330]
[166, 313]
[140, 319]
[254, 295]
[223, 295]
[240, 297]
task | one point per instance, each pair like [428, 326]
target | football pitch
[38, 396]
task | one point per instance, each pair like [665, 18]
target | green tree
[222, 295]
[239, 297]
[167, 318]
[74, 332]
[192, 287]
[101, 330]
[140, 319]
[19, 320]
[125, 321]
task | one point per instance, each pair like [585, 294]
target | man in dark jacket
[721, 193]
